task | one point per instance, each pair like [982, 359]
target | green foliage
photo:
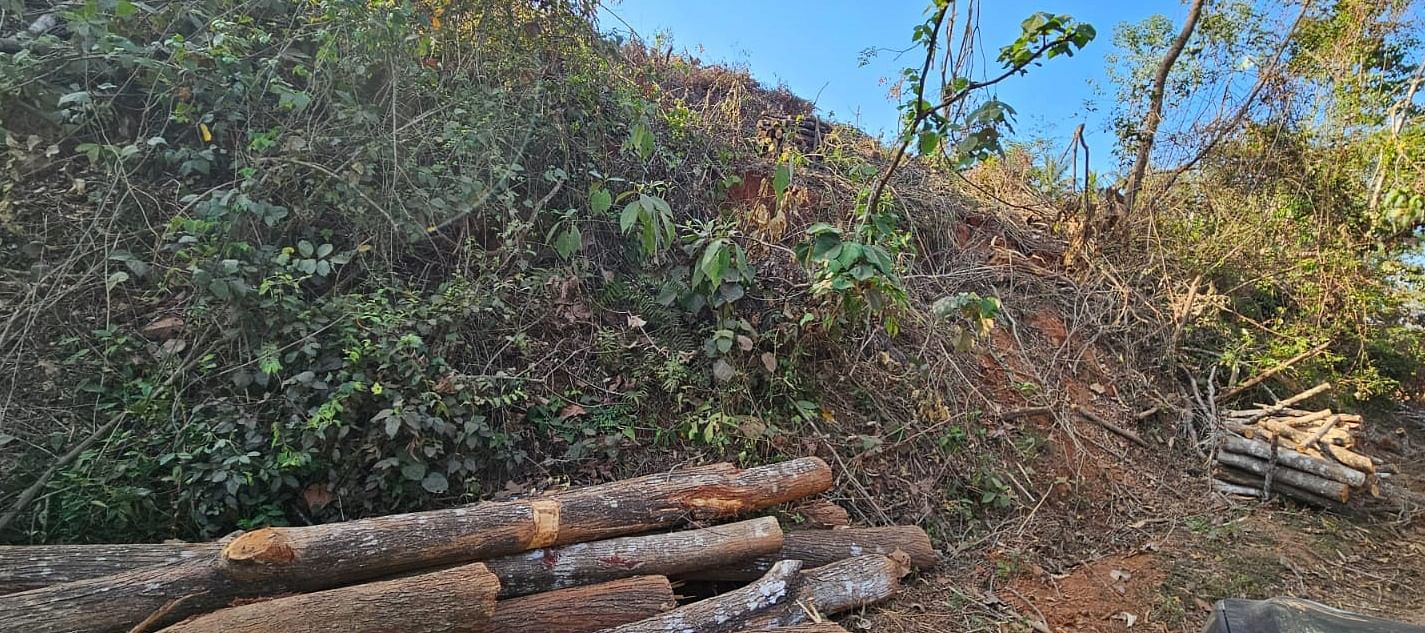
[861, 276]
[972, 317]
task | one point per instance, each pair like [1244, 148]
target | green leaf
[435, 483]
[414, 471]
[629, 216]
[600, 200]
[641, 138]
[782, 179]
[569, 241]
[929, 142]
[305, 248]
[115, 278]
[324, 250]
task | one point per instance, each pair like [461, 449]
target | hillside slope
[292, 264]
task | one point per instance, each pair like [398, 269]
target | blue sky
[814, 47]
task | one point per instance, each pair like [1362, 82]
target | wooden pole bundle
[1316, 485]
[1293, 459]
[274, 561]
[557, 564]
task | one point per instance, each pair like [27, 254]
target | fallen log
[819, 627]
[274, 561]
[840, 587]
[1289, 476]
[816, 548]
[458, 599]
[1293, 459]
[668, 554]
[1243, 478]
[25, 567]
[1262, 377]
[1285, 405]
[731, 611]
[586, 609]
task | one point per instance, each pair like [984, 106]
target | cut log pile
[1309, 456]
[571, 562]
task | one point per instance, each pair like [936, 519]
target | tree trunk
[840, 587]
[1155, 107]
[728, 612]
[273, 561]
[816, 548]
[1293, 459]
[586, 609]
[454, 600]
[1291, 477]
[672, 553]
[25, 567]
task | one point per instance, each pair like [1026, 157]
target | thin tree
[1155, 104]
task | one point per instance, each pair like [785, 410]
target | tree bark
[840, 587]
[461, 599]
[586, 609]
[820, 514]
[1262, 377]
[1289, 476]
[25, 567]
[672, 553]
[1293, 459]
[728, 612]
[1155, 106]
[273, 561]
[816, 548]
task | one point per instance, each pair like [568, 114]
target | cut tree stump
[731, 611]
[274, 561]
[1293, 459]
[816, 548]
[25, 567]
[840, 587]
[586, 609]
[461, 599]
[1289, 476]
[668, 554]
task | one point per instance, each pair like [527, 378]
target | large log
[1289, 476]
[586, 609]
[25, 567]
[668, 554]
[1293, 459]
[816, 548]
[840, 587]
[461, 599]
[731, 611]
[274, 561]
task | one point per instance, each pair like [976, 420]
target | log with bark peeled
[731, 611]
[816, 548]
[672, 553]
[25, 567]
[840, 587]
[459, 599]
[586, 609]
[274, 561]
[820, 514]
[1293, 459]
[1289, 476]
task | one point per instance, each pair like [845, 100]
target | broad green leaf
[929, 142]
[435, 483]
[600, 200]
[629, 216]
[569, 242]
[782, 179]
[115, 278]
